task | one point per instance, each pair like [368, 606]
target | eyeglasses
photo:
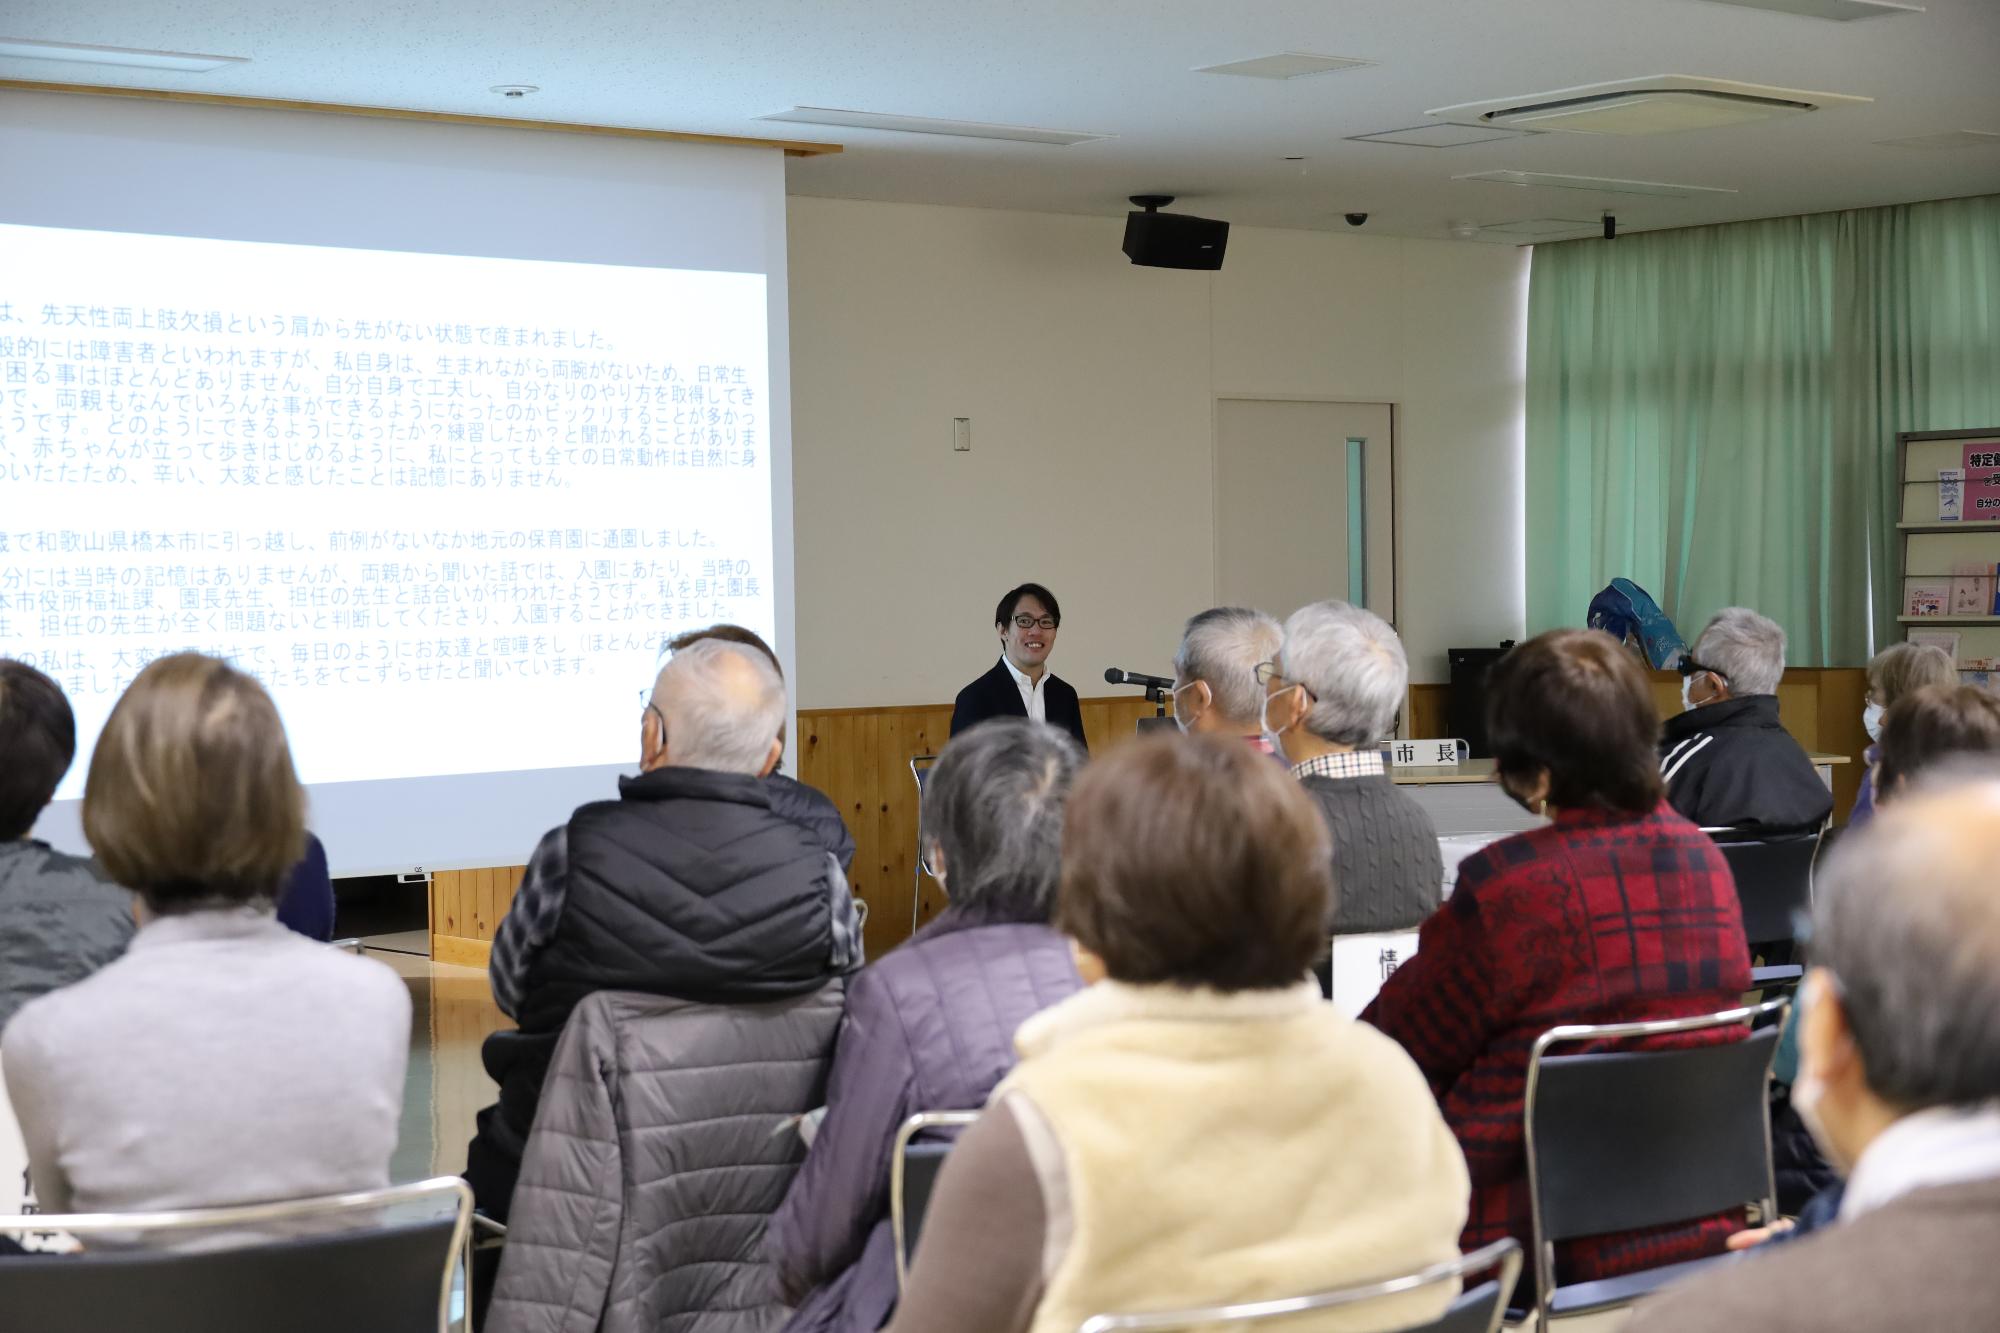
[1035, 622]
[1266, 673]
[1690, 667]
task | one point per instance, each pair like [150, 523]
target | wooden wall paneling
[1428, 712]
[1798, 706]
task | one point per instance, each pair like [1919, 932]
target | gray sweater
[1387, 871]
[59, 922]
[222, 1060]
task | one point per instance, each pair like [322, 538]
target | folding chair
[381, 1260]
[1774, 878]
[1621, 1140]
[913, 1173]
[1477, 1309]
[920, 767]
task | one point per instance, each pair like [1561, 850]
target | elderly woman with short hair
[1618, 911]
[224, 1059]
[1727, 760]
[1198, 1126]
[1896, 672]
[931, 1026]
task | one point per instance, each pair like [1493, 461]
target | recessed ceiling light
[960, 129]
[1440, 136]
[1949, 139]
[1829, 9]
[188, 62]
[1654, 104]
[515, 89]
[1595, 184]
[1284, 65]
[1299, 157]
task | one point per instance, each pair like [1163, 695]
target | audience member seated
[1619, 911]
[931, 1026]
[1334, 691]
[690, 885]
[1198, 1125]
[1928, 729]
[1215, 674]
[1727, 760]
[223, 1059]
[1900, 1079]
[1895, 672]
[60, 920]
[794, 800]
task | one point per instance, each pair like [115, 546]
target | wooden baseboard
[458, 950]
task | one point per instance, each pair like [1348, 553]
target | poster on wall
[1982, 481]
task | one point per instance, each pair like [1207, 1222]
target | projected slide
[446, 508]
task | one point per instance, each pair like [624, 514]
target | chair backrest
[1773, 881]
[913, 1173]
[1621, 1140]
[1477, 1309]
[380, 1260]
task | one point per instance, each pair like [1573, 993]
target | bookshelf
[1948, 570]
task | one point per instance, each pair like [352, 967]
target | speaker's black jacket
[996, 695]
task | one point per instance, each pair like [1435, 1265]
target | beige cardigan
[1195, 1147]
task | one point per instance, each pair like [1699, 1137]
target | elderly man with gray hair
[1215, 673]
[1727, 760]
[1899, 1079]
[689, 885]
[1332, 692]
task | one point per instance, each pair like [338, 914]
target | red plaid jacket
[1595, 919]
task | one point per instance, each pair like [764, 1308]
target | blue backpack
[1628, 613]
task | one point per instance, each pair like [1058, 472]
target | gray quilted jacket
[661, 1146]
[59, 922]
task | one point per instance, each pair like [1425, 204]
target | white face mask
[1273, 738]
[1871, 721]
[1687, 693]
[1182, 717]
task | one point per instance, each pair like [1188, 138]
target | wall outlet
[961, 434]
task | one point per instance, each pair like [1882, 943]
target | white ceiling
[1126, 69]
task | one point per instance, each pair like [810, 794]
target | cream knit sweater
[1194, 1147]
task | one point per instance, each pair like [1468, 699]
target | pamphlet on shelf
[1951, 494]
[1946, 639]
[1926, 597]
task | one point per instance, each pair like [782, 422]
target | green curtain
[1712, 412]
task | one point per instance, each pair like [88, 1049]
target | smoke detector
[1657, 104]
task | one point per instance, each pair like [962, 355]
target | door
[1304, 505]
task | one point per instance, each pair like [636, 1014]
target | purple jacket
[928, 1028]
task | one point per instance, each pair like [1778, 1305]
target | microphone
[1114, 676]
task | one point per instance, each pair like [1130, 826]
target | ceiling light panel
[1284, 65]
[957, 129]
[1439, 136]
[1949, 139]
[1594, 184]
[1842, 10]
[187, 62]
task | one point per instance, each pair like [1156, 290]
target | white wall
[1091, 385]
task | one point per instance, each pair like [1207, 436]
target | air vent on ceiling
[187, 62]
[1656, 104]
[1949, 139]
[1829, 9]
[958, 129]
[1439, 136]
[1594, 184]
[1284, 65]
[1541, 227]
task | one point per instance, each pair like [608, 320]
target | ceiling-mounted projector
[1172, 240]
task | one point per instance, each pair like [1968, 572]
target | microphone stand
[1157, 697]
